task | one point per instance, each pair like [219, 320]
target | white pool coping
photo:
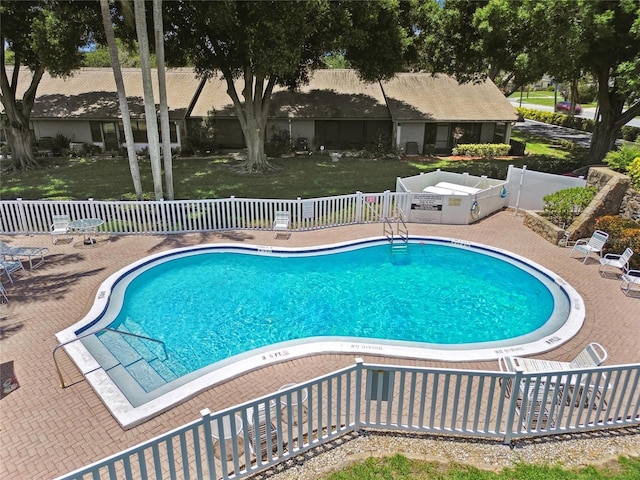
[129, 416]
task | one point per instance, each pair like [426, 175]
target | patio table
[86, 226]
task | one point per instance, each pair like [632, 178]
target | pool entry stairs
[129, 351]
[398, 239]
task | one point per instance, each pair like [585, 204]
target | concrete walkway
[47, 431]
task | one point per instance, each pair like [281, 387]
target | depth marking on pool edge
[276, 354]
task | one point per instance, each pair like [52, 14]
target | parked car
[565, 107]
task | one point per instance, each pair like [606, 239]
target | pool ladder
[400, 239]
[106, 329]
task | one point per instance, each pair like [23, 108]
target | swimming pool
[266, 305]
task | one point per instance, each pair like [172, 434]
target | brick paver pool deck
[46, 431]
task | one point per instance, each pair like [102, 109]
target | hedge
[631, 134]
[482, 149]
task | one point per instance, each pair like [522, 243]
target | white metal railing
[251, 437]
[181, 216]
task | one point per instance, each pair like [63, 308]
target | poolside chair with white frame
[593, 355]
[618, 262]
[264, 433]
[29, 252]
[3, 292]
[60, 226]
[587, 246]
[281, 223]
[628, 280]
[9, 266]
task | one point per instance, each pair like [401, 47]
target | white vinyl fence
[528, 188]
[248, 438]
[182, 216]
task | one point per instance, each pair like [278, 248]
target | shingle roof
[331, 94]
[422, 96]
[91, 93]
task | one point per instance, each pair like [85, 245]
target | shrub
[278, 144]
[584, 124]
[619, 160]
[623, 233]
[633, 170]
[60, 144]
[92, 149]
[563, 206]
[482, 149]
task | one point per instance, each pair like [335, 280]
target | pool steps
[123, 356]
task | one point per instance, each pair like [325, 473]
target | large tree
[45, 36]
[268, 43]
[520, 41]
[611, 33]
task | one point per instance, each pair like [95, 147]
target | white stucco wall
[409, 132]
[76, 130]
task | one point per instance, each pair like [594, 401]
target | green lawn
[543, 97]
[399, 467]
[299, 176]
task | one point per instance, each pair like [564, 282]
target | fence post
[359, 198]
[208, 441]
[23, 217]
[513, 406]
[358, 399]
[386, 204]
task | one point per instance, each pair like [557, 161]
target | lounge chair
[587, 246]
[281, 223]
[629, 279]
[60, 226]
[9, 266]
[3, 292]
[593, 355]
[263, 433]
[29, 252]
[613, 260]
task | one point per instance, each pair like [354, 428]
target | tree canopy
[515, 43]
[43, 36]
[268, 43]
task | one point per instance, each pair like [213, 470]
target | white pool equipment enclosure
[451, 198]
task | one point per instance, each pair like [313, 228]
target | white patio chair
[9, 266]
[613, 260]
[587, 246]
[28, 252]
[3, 292]
[629, 281]
[60, 226]
[264, 432]
[281, 223]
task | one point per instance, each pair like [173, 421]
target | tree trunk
[603, 140]
[21, 141]
[19, 135]
[122, 98]
[164, 108]
[149, 100]
[607, 127]
[252, 114]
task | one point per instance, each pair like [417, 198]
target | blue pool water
[210, 306]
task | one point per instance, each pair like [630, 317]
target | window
[96, 133]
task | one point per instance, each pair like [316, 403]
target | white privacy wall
[527, 188]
